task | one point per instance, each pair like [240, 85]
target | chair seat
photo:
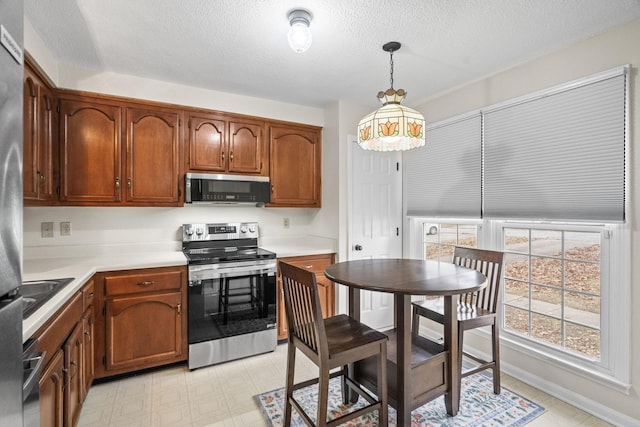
[345, 333]
[434, 309]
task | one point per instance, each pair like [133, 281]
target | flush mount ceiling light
[392, 127]
[299, 34]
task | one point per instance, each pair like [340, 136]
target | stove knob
[243, 229]
[189, 231]
[199, 231]
[252, 228]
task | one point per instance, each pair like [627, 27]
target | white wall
[617, 47]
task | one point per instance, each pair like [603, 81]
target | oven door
[231, 299]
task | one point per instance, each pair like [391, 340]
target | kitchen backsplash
[122, 225]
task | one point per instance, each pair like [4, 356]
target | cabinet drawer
[88, 294]
[143, 282]
[315, 263]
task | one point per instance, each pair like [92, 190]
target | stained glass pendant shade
[392, 127]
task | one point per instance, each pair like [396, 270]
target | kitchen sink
[37, 292]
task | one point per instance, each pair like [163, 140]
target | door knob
[358, 248]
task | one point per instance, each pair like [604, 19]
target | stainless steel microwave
[227, 189]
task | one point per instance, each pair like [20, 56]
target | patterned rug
[479, 407]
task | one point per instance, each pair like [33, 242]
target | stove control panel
[219, 231]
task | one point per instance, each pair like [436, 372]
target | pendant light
[392, 127]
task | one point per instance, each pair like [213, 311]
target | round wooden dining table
[418, 369]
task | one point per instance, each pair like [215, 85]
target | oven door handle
[35, 371]
[222, 270]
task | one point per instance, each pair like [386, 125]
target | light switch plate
[46, 229]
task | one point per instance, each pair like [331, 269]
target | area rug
[479, 407]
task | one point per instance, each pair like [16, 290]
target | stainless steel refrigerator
[11, 72]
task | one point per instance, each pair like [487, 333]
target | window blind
[443, 178]
[558, 157]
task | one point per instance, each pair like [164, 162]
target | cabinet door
[74, 383]
[283, 329]
[245, 147]
[295, 167]
[207, 144]
[38, 139]
[52, 392]
[88, 367]
[30, 176]
[153, 141]
[45, 143]
[143, 331]
[90, 163]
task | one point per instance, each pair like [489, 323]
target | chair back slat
[302, 307]
[488, 263]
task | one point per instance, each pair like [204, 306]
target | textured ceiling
[240, 46]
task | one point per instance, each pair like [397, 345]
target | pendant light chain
[391, 55]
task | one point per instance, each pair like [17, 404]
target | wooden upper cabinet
[152, 156]
[226, 144]
[206, 144]
[295, 168]
[90, 152]
[246, 148]
[38, 152]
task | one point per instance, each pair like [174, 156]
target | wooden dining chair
[475, 309]
[330, 343]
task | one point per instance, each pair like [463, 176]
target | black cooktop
[213, 255]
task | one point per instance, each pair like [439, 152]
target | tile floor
[222, 395]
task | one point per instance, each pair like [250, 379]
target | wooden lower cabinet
[144, 319]
[88, 366]
[74, 368]
[52, 392]
[326, 288]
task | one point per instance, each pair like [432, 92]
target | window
[549, 170]
[552, 287]
[440, 238]
[565, 289]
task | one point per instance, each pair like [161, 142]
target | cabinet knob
[231, 156]
[358, 248]
[129, 183]
[223, 156]
[179, 308]
[117, 183]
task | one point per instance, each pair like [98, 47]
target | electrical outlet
[65, 228]
[285, 222]
[46, 229]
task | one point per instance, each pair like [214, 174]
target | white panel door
[375, 221]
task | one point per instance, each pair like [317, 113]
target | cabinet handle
[147, 283]
[231, 156]
[179, 308]
[223, 156]
[272, 188]
[129, 183]
[117, 183]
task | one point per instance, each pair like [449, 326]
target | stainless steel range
[232, 293]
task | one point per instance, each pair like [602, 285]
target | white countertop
[83, 262]
[82, 269]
